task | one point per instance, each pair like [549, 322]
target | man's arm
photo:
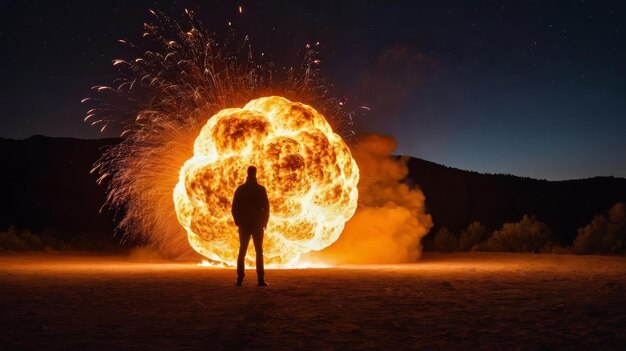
[235, 207]
[265, 208]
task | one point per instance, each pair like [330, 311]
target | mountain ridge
[46, 183]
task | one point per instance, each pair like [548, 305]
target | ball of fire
[307, 169]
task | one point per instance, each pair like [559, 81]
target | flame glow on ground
[307, 169]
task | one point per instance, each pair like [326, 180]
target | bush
[604, 235]
[527, 235]
[589, 238]
[19, 240]
[445, 241]
[473, 236]
[14, 239]
[615, 240]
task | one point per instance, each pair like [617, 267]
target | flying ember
[310, 176]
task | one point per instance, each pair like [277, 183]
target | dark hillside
[46, 185]
[455, 198]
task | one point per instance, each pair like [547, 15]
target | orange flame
[310, 176]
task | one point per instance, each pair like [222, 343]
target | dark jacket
[251, 208]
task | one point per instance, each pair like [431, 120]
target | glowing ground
[465, 301]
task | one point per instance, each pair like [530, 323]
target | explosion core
[310, 176]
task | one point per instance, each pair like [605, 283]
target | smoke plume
[390, 219]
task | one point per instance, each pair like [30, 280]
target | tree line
[604, 235]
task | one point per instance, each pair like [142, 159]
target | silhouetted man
[251, 211]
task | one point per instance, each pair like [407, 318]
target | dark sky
[532, 88]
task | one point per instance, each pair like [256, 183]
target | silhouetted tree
[445, 241]
[527, 235]
[615, 240]
[589, 238]
[604, 235]
[472, 236]
[19, 240]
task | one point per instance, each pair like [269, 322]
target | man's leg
[244, 239]
[257, 238]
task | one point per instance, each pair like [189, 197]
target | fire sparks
[159, 104]
[307, 169]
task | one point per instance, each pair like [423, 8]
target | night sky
[528, 88]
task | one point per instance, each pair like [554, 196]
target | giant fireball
[307, 169]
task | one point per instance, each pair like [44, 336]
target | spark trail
[159, 104]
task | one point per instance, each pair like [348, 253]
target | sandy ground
[459, 301]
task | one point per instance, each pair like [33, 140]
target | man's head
[251, 172]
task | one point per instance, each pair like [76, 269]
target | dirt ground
[454, 302]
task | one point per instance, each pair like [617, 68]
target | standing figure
[251, 212]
